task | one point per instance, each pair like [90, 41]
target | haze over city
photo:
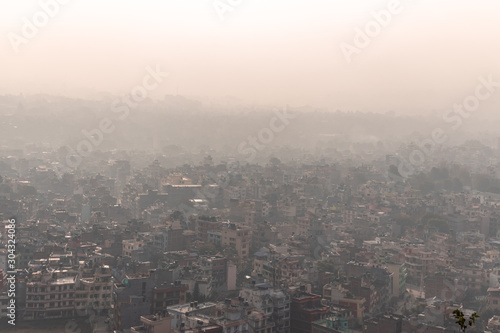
[261, 52]
[249, 166]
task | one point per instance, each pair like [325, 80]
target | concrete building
[494, 298]
[384, 324]
[399, 275]
[95, 292]
[49, 296]
[335, 294]
[181, 312]
[133, 298]
[272, 304]
[331, 324]
[305, 310]
[217, 268]
[158, 323]
[231, 276]
[4, 302]
[239, 238]
[169, 239]
[419, 263]
[130, 245]
[204, 224]
[166, 296]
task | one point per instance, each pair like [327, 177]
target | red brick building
[305, 309]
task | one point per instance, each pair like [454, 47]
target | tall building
[50, 296]
[305, 310]
[96, 291]
[165, 296]
[273, 305]
[334, 293]
[204, 224]
[239, 238]
[398, 271]
[133, 298]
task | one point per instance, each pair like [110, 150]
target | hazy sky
[428, 57]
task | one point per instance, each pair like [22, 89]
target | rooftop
[187, 308]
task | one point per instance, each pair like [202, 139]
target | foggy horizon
[428, 56]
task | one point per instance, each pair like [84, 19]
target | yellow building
[237, 237]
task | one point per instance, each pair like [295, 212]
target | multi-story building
[130, 245]
[158, 323]
[284, 271]
[217, 268]
[49, 296]
[305, 310]
[334, 293]
[166, 296]
[331, 324]
[372, 282]
[180, 313]
[473, 277]
[4, 302]
[60, 294]
[272, 304]
[233, 317]
[384, 324]
[494, 298]
[95, 292]
[281, 311]
[204, 224]
[399, 275]
[133, 298]
[169, 239]
[239, 238]
[419, 263]
[215, 236]
[445, 285]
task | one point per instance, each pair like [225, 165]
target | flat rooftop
[187, 308]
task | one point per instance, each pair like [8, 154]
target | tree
[197, 295]
[435, 221]
[394, 170]
[274, 161]
[440, 224]
[196, 292]
[405, 221]
[462, 321]
[326, 266]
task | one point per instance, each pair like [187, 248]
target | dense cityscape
[232, 166]
[339, 237]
